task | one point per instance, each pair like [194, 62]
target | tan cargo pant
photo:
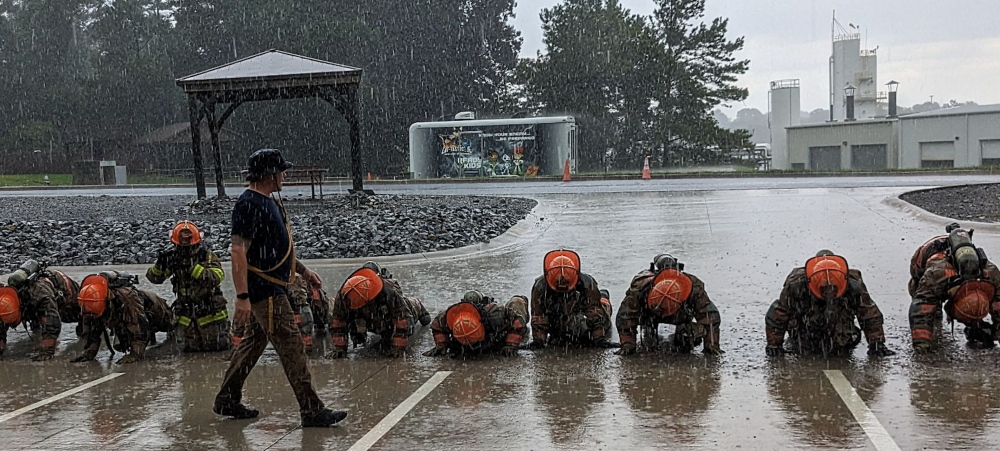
[272, 320]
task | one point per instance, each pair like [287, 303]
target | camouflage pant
[204, 327]
[272, 320]
[305, 320]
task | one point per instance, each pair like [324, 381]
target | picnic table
[313, 173]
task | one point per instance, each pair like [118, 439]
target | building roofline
[956, 111]
[881, 120]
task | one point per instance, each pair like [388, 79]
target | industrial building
[862, 135]
[959, 137]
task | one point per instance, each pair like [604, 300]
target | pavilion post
[213, 128]
[351, 113]
[199, 176]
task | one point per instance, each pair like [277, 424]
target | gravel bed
[979, 203]
[75, 231]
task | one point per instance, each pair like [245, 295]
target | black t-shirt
[258, 218]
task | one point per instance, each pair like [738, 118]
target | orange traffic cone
[645, 170]
[566, 171]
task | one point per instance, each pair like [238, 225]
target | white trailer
[524, 147]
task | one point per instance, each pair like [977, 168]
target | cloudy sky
[948, 49]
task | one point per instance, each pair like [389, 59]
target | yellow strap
[270, 315]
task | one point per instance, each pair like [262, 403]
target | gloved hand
[536, 344]
[603, 342]
[713, 350]
[127, 358]
[337, 353]
[774, 350]
[85, 357]
[436, 351]
[509, 351]
[396, 353]
[626, 349]
[167, 259]
[878, 349]
[922, 347]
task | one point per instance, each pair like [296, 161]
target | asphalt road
[536, 188]
[741, 236]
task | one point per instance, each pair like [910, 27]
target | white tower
[784, 111]
[849, 64]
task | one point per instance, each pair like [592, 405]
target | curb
[920, 214]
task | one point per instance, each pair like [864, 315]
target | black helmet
[664, 261]
[266, 162]
[372, 266]
[473, 297]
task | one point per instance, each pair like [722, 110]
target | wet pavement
[525, 188]
[741, 242]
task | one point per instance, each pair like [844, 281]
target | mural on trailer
[497, 151]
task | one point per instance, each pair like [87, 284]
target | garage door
[991, 152]
[939, 154]
[825, 158]
[869, 156]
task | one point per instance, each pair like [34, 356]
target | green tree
[699, 71]
[41, 60]
[598, 66]
[132, 91]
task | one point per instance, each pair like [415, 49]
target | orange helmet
[10, 306]
[972, 301]
[466, 323]
[670, 289]
[362, 286]
[824, 271]
[185, 233]
[562, 269]
[94, 295]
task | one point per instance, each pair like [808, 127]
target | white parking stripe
[399, 412]
[55, 398]
[876, 433]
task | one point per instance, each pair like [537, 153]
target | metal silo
[783, 111]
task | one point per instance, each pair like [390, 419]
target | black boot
[323, 418]
[236, 411]
[979, 337]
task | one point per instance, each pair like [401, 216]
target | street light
[893, 87]
[849, 93]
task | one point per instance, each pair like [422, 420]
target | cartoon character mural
[496, 151]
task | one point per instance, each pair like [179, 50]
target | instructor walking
[264, 265]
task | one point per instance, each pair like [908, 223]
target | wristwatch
[243, 296]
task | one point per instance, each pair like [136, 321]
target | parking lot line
[873, 429]
[399, 412]
[67, 393]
